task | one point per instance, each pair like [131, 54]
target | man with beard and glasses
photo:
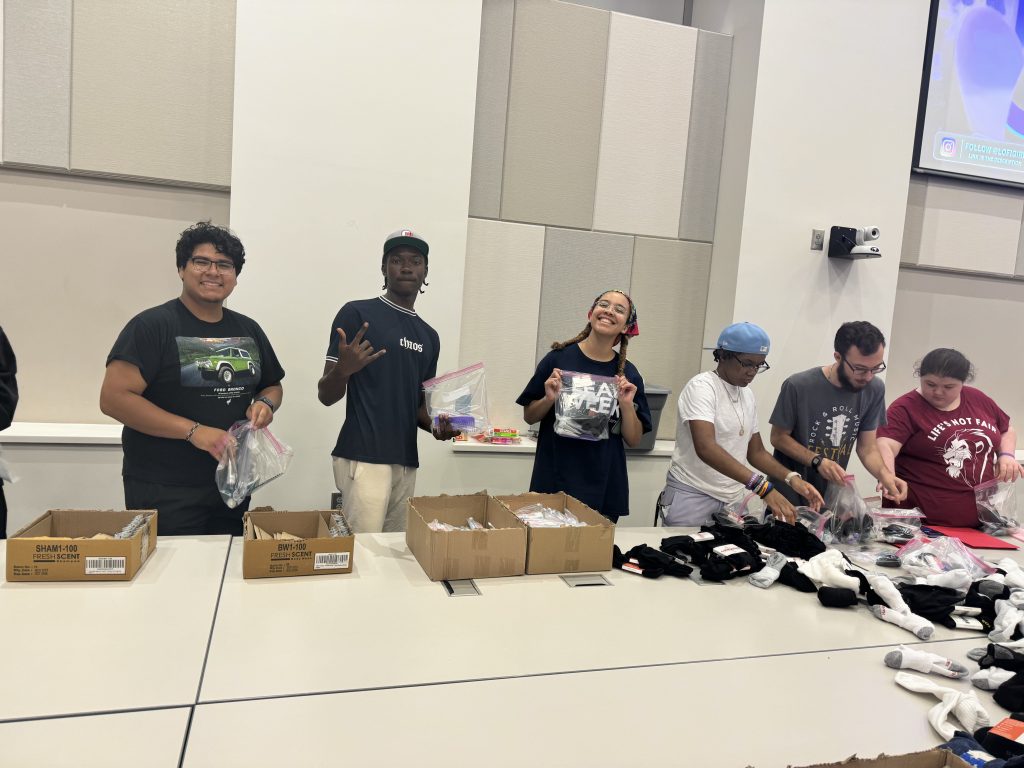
[823, 413]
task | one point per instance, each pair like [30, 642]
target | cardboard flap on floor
[566, 550]
[313, 553]
[933, 758]
[497, 551]
[63, 556]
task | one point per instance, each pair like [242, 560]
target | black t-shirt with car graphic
[206, 372]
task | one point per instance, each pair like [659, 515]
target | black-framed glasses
[755, 367]
[863, 370]
[201, 264]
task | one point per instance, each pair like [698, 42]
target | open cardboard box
[316, 552]
[498, 551]
[566, 550]
[57, 559]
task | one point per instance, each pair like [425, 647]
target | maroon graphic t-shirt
[946, 454]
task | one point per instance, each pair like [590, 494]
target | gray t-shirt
[825, 419]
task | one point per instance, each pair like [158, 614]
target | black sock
[1010, 695]
[1005, 658]
[837, 597]
[790, 576]
[649, 557]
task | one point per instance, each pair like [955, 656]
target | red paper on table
[973, 538]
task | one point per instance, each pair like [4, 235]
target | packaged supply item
[923, 556]
[997, 507]
[896, 526]
[459, 399]
[539, 516]
[585, 405]
[850, 522]
[257, 458]
[749, 510]
[304, 543]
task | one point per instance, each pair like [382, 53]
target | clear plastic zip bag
[997, 507]
[585, 405]
[256, 458]
[459, 399]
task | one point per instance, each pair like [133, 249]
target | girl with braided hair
[594, 471]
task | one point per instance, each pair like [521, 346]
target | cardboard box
[498, 551]
[566, 550]
[35, 559]
[315, 553]
[933, 758]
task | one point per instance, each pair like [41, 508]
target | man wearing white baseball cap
[378, 355]
[718, 439]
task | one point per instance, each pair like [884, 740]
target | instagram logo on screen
[947, 148]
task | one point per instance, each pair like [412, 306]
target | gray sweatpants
[683, 506]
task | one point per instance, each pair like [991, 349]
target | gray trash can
[656, 399]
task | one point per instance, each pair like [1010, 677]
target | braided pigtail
[574, 340]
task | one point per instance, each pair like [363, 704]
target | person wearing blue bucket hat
[718, 440]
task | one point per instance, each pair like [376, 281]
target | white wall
[820, 153]
[352, 119]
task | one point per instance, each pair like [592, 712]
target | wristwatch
[816, 462]
[267, 401]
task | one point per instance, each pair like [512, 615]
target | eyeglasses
[755, 367]
[618, 309]
[863, 370]
[201, 264]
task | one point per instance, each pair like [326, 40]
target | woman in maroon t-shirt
[946, 438]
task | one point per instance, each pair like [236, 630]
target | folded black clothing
[790, 539]
[649, 557]
[623, 562]
[735, 536]
[933, 603]
[790, 576]
[696, 547]
[1000, 746]
[837, 597]
[717, 570]
[742, 562]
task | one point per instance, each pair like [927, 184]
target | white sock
[958, 579]
[1014, 574]
[827, 568]
[965, 707]
[770, 573]
[886, 590]
[911, 622]
[923, 661]
[1017, 597]
[991, 678]
[1008, 616]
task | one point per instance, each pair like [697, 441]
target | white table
[387, 625]
[795, 709]
[153, 738]
[74, 648]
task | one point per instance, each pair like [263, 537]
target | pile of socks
[649, 562]
[722, 553]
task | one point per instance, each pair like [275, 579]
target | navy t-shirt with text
[594, 471]
[382, 400]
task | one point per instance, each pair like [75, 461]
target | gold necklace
[740, 414]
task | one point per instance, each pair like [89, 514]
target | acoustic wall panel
[559, 52]
[670, 287]
[153, 89]
[491, 107]
[707, 137]
[578, 266]
[500, 309]
[961, 226]
[645, 125]
[37, 82]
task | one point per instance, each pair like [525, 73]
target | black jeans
[184, 510]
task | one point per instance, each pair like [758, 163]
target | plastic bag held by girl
[585, 405]
[257, 458]
[997, 507]
[460, 399]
